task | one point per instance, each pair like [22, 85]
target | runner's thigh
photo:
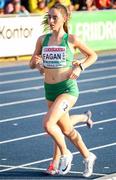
[60, 106]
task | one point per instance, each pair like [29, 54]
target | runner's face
[55, 19]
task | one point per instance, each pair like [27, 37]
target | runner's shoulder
[73, 38]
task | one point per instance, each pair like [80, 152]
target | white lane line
[22, 89]
[17, 72]
[43, 169]
[100, 69]
[28, 167]
[22, 138]
[43, 98]
[95, 104]
[40, 87]
[22, 101]
[106, 61]
[98, 122]
[96, 79]
[22, 80]
[43, 113]
[28, 164]
[97, 89]
[44, 133]
[41, 77]
[49, 159]
[22, 117]
[30, 70]
[97, 174]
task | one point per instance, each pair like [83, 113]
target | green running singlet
[57, 56]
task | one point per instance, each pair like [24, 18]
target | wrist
[81, 67]
[31, 64]
[77, 69]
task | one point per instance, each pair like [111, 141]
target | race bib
[54, 56]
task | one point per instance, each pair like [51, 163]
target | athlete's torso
[57, 56]
[57, 59]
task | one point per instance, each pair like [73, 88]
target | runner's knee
[48, 125]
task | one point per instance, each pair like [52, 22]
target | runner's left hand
[75, 73]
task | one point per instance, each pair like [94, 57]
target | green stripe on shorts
[52, 91]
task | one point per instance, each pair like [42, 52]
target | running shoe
[52, 169]
[65, 163]
[89, 163]
[89, 121]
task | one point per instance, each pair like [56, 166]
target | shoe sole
[52, 173]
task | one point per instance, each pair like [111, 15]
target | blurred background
[25, 150]
[94, 21]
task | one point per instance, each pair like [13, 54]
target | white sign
[54, 56]
[18, 35]
[96, 31]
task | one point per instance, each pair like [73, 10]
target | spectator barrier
[18, 34]
[97, 29]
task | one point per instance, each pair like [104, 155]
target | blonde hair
[64, 12]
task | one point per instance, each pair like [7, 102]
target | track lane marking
[40, 87]
[44, 133]
[41, 77]
[43, 98]
[43, 169]
[49, 159]
[21, 90]
[34, 70]
[43, 113]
